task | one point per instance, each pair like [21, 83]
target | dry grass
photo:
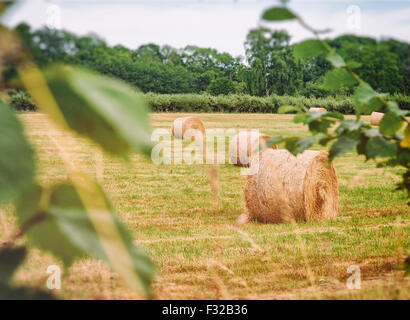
[184, 216]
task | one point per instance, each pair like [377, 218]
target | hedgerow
[250, 104]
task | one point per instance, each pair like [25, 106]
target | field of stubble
[186, 224]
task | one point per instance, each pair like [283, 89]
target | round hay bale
[244, 144]
[182, 125]
[375, 118]
[317, 110]
[286, 188]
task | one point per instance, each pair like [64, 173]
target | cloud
[221, 25]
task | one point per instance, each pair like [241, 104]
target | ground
[186, 224]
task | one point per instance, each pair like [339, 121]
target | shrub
[251, 104]
[21, 101]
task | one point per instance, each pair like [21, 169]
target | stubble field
[184, 216]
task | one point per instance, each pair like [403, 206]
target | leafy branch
[383, 142]
[75, 219]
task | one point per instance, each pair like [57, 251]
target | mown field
[185, 219]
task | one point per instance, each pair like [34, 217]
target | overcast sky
[217, 24]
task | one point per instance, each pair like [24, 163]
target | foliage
[74, 219]
[21, 101]
[221, 86]
[251, 104]
[384, 142]
[272, 66]
[17, 167]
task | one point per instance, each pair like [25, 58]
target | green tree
[221, 86]
[272, 65]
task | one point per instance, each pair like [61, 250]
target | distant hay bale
[286, 188]
[244, 144]
[182, 125]
[375, 118]
[317, 110]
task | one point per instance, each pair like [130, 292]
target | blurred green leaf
[48, 234]
[380, 147]
[364, 93]
[394, 107]
[106, 110]
[335, 59]
[299, 118]
[273, 141]
[288, 109]
[390, 123]
[407, 266]
[403, 157]
[278, 14]
[17, 166]
[343, 145]
[23, 293]
[338, 78]
[348, 125]
[296, 145]
[353, 65]
[309, 49]
[69, 232]
[405, 143]
[10, 259]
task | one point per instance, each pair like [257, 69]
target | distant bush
[21, 101]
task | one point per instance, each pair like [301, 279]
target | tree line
[269, 66]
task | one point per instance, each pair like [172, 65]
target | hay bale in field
[244, 144]
[182, 125]
[317, 110]
[286, 188]
[375, 118]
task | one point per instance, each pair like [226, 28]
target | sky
[222, 24]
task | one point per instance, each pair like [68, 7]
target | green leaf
[299, 118]
[380, 147]
[343, 145]
[349, 125]
[405, 143]
[23, 293]
[390, 123]
[335, 59]
[288, 109]
[372, 133]
[278, 14]
[70, 233]
[104, 109]
[10, 259]
[361, 146]
[309, 49]
[407, 266]
[403, 157]
[321, 125]
[394, 107]
[272, 141]
[48, 234]
[296, 145]
[338, 78]
[353, 65]
[17, 167]
[364, 93]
